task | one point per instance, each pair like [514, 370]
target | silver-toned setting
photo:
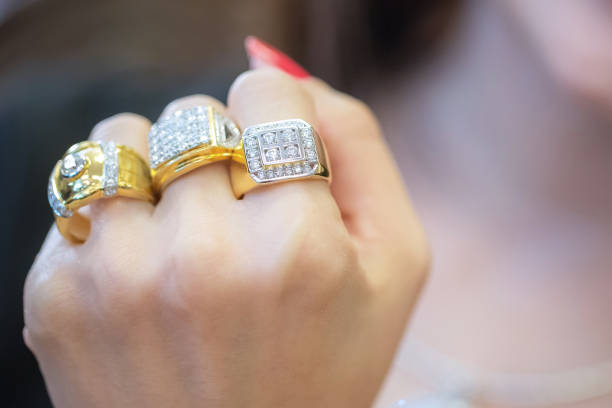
[280, 150]
[110, 178]
[57, 206]
[186, 129]
[72, 164]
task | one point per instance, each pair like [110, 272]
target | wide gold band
[187, 140]
[89, 171]
[278, 152]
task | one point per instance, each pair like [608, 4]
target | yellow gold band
[188, 139]
[89, 171]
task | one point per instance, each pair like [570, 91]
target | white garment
[460, 383]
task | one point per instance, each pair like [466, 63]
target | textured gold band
[89, 171]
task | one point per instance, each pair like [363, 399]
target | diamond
[311, 154]
[269, 138]
[292, 151]
[182, 131]
[228, 134]
[72, 165]
[273, 155]
[280, 150]
[110, 176]
[56, 205]
[288, 135]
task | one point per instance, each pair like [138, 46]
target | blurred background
[500, 114]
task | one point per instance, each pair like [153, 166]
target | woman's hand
[295, 296]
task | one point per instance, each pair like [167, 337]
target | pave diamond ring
[187, 139]
[277, 152]
[89, 171]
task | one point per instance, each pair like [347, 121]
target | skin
[295, 296]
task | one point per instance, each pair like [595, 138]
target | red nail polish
[266, 54]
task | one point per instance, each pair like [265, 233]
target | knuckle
[353, 115]
[320, 259]
[412, 258]
[196, 271]
[417, 252]
[421, 264]
[54, 303]
[196, 251]
[125, 283]
[123, 295]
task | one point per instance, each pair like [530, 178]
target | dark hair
[340, 40]
[350, 39]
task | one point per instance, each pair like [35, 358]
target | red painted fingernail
[263, 54]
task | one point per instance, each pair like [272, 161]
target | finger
[55, 253]
[127, 129]
[130, 130]
[367, 184]
[269, 95]
[205, 187]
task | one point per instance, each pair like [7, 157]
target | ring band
[188, 139]
[277, 152]
[89, 171]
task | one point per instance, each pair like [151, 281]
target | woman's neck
[493, 134]
[512, 177]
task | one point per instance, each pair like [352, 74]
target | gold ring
[89, 171]
[188, 139]
[277, 152]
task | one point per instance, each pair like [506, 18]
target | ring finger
[267, 96]
[204, 187]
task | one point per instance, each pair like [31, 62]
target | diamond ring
[188, 139]
[277, 152]
[89, 171]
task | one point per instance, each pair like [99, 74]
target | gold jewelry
[89, 171]
[277, 152]
[188, 139]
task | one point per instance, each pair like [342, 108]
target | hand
[295, 296]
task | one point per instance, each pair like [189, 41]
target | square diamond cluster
[280, 150]
[177, 133]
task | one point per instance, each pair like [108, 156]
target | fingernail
[262, 54]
